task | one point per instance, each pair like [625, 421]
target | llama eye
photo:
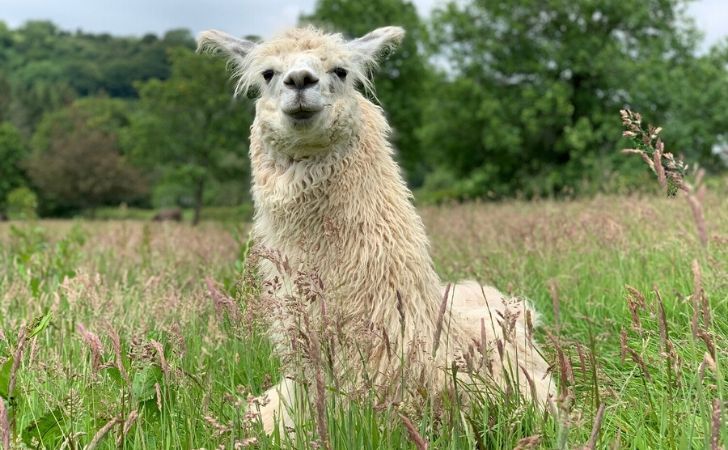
[340, 72]
[268, 75]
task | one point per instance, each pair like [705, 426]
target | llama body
[330, 197]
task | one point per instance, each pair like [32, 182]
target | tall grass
[135, 335]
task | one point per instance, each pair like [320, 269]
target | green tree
[189, 129]
[400, 82]
[12, 153]
[533, 89]
[77, 161]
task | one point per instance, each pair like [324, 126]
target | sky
[240, 17]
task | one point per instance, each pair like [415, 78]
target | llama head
[307, 82]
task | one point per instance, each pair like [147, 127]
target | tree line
[487, 100]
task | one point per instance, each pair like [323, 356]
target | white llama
[321, 161]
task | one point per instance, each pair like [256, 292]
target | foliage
[401, 81]
[487, 99]
[22, 204]
[77, 161]
[189, 130]
[530, 92]
[12, 152]
[46, 68]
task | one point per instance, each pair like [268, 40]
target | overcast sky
[241, 17]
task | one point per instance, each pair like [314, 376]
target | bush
[22, 204]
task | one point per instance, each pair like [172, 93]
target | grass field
[124, 335]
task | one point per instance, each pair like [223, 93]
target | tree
[43, 68]
[77, 161]
[189, 129]
[533, 89]
[401, 80]
[12, 153]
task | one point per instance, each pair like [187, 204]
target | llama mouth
[302, 114]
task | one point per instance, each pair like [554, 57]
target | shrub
[22, 204]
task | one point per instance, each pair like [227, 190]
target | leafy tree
[189, 129]
[533, 88]
[12, 153]
[77, 161]
[401, 81]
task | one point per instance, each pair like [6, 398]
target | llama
[321, 161]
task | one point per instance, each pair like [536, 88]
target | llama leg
[275, 405]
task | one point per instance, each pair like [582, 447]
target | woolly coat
[348, 215]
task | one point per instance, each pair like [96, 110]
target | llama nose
[300, 79]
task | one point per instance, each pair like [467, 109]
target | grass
[189, 358]
[239, 213]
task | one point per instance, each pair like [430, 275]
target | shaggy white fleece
[330, 197]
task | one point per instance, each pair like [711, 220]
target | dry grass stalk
[314, 352]
[219, 428]
[128, 423]
[223, 303]
[531, 384]
[566, 371]
[708, 340]
[116, 343]
[387, 343]
[158, 391]
[635, 303]
[662, 324]
[485, 357]
[413, 433]
[555, 302]
[101, 434]
[715, 426]
[596, 427]
[670, 172]
[93, 343]
[640, 362]
[440, 320]
[582, 358]
[17, 357]
[697, 297]
[701, 297]
[528, 443]
[617, 443]
[160, 354]
[400, 310]
[5, 432]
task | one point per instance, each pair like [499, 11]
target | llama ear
[372, 45]
[217, 41]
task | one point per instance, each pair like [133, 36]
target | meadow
[132, 334]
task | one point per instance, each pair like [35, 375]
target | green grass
[147, 282]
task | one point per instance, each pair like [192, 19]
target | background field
[188, 356]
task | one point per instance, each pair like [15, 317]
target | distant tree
[43, 68]
[12, 153]
[21, 204]
[533, 88]
[189, 129]
[402, 79]
[77, 161]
